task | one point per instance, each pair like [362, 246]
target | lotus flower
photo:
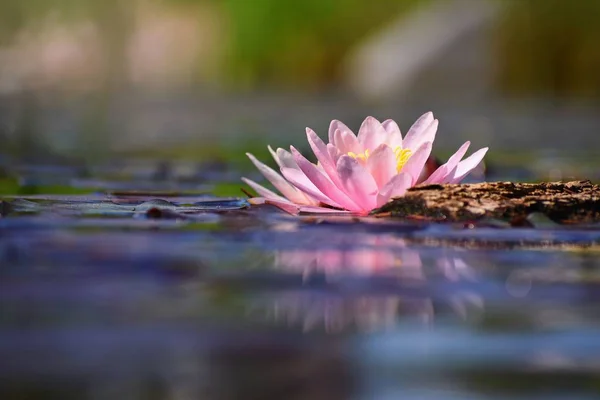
[358, 173]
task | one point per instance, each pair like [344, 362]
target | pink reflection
[383, 256]
[366, 254]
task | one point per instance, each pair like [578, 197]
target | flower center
[402, 156]
[361, 157]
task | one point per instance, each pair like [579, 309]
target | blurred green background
[195, 78]
[544, 47]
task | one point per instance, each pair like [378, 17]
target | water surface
[150, 287]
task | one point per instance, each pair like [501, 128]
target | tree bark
[562, 202]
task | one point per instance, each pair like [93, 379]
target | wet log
[562, 202]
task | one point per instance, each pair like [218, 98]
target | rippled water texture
[154, 289]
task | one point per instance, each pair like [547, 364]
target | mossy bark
[562, 202]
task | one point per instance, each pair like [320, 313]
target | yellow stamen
[362, 157]
[402, 156]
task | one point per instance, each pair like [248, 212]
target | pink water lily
[358, 173]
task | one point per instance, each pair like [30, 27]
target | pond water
[152, 288]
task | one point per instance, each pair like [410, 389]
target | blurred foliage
[263, 41]
[17, 14]
[11, 186]
[113, 18]
[300, 42]
[549, 47]
[544, 47]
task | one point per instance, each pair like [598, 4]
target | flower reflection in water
[370, 284]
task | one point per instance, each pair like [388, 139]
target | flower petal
[333, 151]
[275, 156]
[301, 181]
[346, 142]
[321, 210]
[450, 175]
[416, 162]
[467, 165]
[414, 138]
[324, 184]
[357, 182]
[318, 147]
[382, 165]
[431, 165]
[336, 125]
[323, 155]
[371, 134]
[394, 134]
[290, 192]
[440, 174]
[263, 191]
[428, 135]
[284, 204]
[396, 187]
[284, 158]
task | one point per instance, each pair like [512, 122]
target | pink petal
[357, 182]
[449, 176]
[414, 137]
[324, 184]
[440, 174]
[417, 161]
[284, 159]
[394, 135]
[275, 156]
[468, 164]
[478, 171]
[431, 165]
[321, 151]
[322, 210]
[301, 181]
[382, 165]
[396, 187]
[337, 126]
[428, 135]
[257, 200]
[263, 191]
[333, 151]
[346, 142]
[286, 206]
[318, 147]
[290, 192]
[371, 134]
